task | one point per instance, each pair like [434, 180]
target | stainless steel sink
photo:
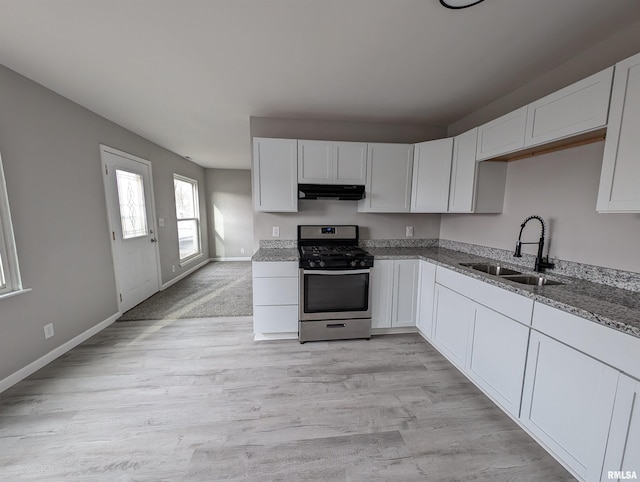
[490, 268]
[530, 279]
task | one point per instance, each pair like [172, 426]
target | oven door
[335, 295]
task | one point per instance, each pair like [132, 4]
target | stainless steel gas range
[335, 284]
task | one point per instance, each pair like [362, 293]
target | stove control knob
[312, 264]
[322, 264]
[353, 263]
[362, 263]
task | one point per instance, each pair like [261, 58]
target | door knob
[154, 240]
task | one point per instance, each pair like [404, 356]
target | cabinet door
[431, 176]
[389, 170]
[497, 357]
[568, 402]
[502, 135]
[405, 291]
[620, 175]
[350, 163]
[426, 287]
[623, 448]
[463, 172]
[453, 318]
[381, 294]
[577, 108]
[275, 174]
[315, 162]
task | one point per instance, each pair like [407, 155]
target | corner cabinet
[431, 176]
[327, 162]
[275, 174]
[476, 187]
[394, 293]
[388, 186]
[620, 177]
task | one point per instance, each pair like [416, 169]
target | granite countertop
[614, 307]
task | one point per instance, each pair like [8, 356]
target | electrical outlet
[241, 250]
[173, 268]
[409, 231]
[276, 231]
[48, 331]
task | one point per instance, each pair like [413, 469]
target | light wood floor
[199, 400]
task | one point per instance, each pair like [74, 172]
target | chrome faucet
[541, 263]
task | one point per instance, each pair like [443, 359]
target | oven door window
[336, 293]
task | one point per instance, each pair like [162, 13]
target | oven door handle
[336, 273]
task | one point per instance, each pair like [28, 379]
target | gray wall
[230, 211]
[562, 187]
[51, 158]
[623, 44]
[374, 226]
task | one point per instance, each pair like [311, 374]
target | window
[188, 215]
[9, 272]
[133, 212]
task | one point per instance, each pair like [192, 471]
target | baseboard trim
[237, 258]
[184, 275]
[33, 367]
[394, 331]
[275, 336]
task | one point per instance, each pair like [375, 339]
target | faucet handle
[518, 253]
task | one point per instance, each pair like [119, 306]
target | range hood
[343, 192]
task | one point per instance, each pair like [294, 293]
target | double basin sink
[511, 274]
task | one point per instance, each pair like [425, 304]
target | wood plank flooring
[200, 400]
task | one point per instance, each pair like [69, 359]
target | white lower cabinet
[490, 348]
[452, 319]
[622, 459]
[394, 293]
[497, 357]
[426, 288]
[275, 297]
[567, 403]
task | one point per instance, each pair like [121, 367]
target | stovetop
[334, 257]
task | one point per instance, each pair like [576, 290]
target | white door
[129, 195]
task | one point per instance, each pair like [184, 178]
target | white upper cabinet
[578, 108]
[315, 162]
[327, 162]
[350, 162]
[275, 174]
[388, 186]
[620, 175]
[431, 175]
[502, 135]
[476, 187]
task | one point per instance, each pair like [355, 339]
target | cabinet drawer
[274, 269]
[275, 291]
[275, 319]
[510, 304]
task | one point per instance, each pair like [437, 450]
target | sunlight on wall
[218, 223]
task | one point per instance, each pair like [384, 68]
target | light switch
[161, 222]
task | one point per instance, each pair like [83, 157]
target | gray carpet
[220, 288]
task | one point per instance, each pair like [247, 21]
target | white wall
[50, 152]
[230, 209]
[374, 226]
[561, 187]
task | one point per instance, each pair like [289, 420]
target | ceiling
[188, 74]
